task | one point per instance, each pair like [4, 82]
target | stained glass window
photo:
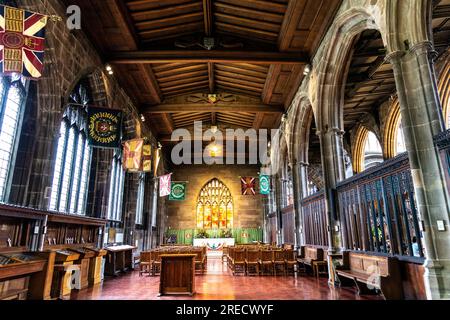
[215, 206]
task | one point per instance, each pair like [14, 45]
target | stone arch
[333, 68]
[302, 120]
[444, 92]
[390, 131]
[358, 150]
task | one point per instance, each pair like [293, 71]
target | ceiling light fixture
[142, 118]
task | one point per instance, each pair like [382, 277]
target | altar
[214, 246]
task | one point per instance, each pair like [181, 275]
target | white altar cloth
[214, 246]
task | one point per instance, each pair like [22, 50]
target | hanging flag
[146, 165]
[248, 185]
[156, 159]
[104, 127]
[178, 191]
[164, 185]
[264, 184]
[22, 42]
[132, 155]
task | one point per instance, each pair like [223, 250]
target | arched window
[373, 154]
[73, 156]
[116, 187]
[215, 206]
[12, 98]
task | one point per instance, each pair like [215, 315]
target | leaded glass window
[215, 206]
[12, 97]
[73, 156]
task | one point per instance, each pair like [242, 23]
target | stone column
[298, 183]
[332, 156]
[422, 119]
[278, 195]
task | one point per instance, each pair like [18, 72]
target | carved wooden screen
[215, 206]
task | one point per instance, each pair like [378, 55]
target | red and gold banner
[132, 155]
[248, 186]
[146, 165]
[22, 42]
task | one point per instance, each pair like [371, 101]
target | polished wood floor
[219, 284]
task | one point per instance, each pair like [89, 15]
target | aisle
[219, 284]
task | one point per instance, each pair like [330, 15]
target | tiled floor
[219, 284]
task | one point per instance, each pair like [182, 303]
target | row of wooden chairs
[150, 261]
[261, 261]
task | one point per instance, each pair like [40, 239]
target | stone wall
[248, 211]
[69, 57]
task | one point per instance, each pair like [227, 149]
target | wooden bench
[309, 254]
[369, 272]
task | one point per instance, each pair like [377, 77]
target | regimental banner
[22, 42]
[165, 185]
[248, 186]
[104, 127]
[132, 155]
[146, 164]
[178, 191]
[264, 184]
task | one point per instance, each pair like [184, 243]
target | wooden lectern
[177, 274]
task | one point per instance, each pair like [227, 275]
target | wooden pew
[369, 272]
[308, 255]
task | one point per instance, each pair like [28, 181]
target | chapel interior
[212, 149]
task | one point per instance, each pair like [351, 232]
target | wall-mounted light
[109, 69]
[142, 118]
[307, 70]
[159, 145]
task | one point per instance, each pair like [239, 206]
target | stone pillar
[332, 156]
[278, 195]
[422, 119]
[298, 183]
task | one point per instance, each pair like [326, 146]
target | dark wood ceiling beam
[208, 17]
[259, 15]
[271, 81]
[155, 14]
[150, 80]
[239, 86]
[125, 22]
[174, 108]
[290, 23]
[168, 121]
[213, 118]
[211, 77]
[258, 121]
[168, 56]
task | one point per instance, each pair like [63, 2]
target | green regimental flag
[264, 184]
[178, 191]
[104, 127]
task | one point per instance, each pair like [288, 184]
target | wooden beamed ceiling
[170, 55]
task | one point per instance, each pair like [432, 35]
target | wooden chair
[252, 262]
[145, 263]
[156, 262]
[225, 254]
[279, 262]
[238, 261]
[230, 257]
[266, 261]
[199, 260]
[291, 261]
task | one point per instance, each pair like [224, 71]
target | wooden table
[119, 259]
[177, 274]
